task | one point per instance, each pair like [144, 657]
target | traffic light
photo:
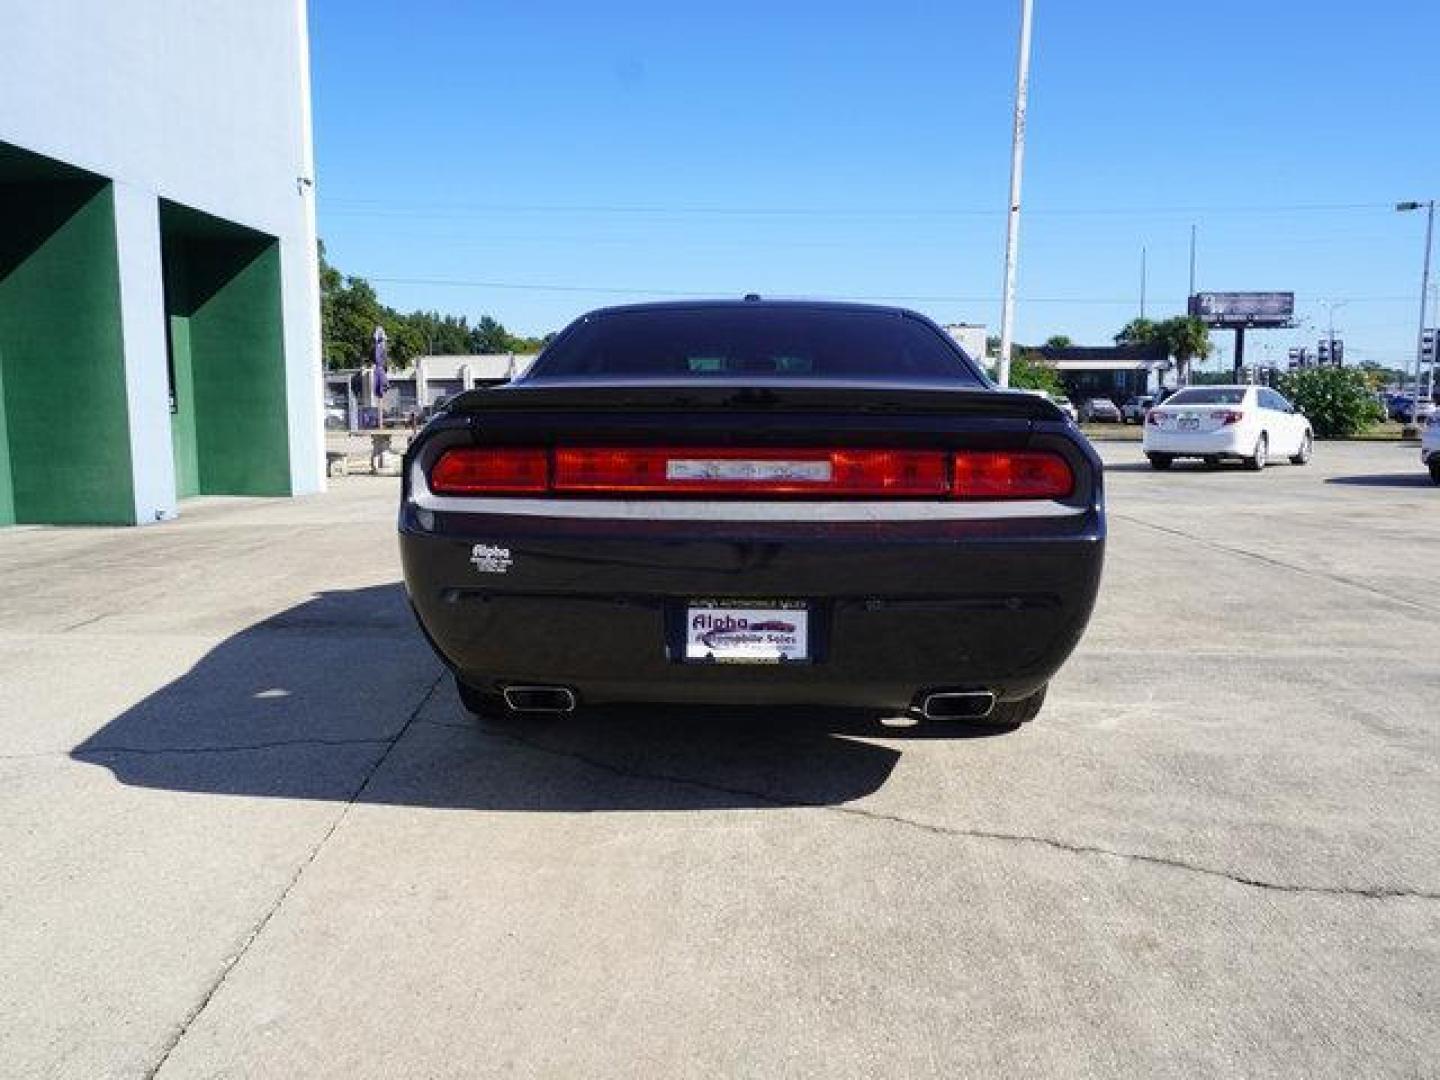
[1337, 353]
[1323, 353]
[1427, 345]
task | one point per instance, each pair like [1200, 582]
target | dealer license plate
[1189, 423]
[750, 633]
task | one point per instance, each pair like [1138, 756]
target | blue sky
[533, 161]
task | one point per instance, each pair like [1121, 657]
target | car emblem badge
[490, 560]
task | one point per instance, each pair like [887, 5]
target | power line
[686, 294]
[382, 208]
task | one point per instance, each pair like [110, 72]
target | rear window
[759, 342]
[1209, 395]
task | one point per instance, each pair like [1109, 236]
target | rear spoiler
[783, 396]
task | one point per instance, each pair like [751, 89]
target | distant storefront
[1116, 372]
[413, 392]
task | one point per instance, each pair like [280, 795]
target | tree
[1185, 338]
[1139, 332]
[1029, 371]
[350, 310]
[1337, 401]
[1182, 337]
[1058, 341]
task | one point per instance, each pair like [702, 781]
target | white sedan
[1430, 447]
[1252, 423]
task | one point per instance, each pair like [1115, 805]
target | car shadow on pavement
[339, 698]
[1388, 480]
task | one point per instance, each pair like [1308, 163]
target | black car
[753, 503]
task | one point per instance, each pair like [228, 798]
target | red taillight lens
[1012, 475]
[1227, 417]
[730, 471]
[588, 470]
[490, 470]
[1152, 418]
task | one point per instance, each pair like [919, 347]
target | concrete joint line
[1372, 893]
[231, 962]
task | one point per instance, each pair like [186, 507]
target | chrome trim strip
[773, 510]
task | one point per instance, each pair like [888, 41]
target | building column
[147, 361]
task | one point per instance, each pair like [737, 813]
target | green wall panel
[227, 356]
[7, 491]
[182, 420]
[66, 425]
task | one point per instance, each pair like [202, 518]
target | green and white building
[159, 308]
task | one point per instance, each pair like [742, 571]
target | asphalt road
[247, 830]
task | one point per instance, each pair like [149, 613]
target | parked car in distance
[753, 503]
[1430, 447]
[1100, 411]
[1403, 411]
[1062, 403]
[1135, 408]
[1413, 414]
[1251, 423]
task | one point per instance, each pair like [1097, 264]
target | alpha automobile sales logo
[718, 629]
[489, 559]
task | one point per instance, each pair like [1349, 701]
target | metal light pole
[1424, 294]
[1017, 166]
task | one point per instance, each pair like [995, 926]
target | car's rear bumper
[897, 608]
[1226, 442]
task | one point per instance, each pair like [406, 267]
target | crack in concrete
[81, 753]
[88, 751]
[232, 962]
[934, 828]
[1268, 560]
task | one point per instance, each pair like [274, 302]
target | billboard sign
[1242, 309]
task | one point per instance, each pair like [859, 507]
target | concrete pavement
[250, 832]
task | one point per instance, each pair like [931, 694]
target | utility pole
[1142, 281]
[1017, 166]
[1192, 262]
[1429, 207]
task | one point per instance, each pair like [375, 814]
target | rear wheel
[1435, 469]
[1307, 448]
[1160, 461]
[1261, 457]
[1212, 461]
[1014, 713]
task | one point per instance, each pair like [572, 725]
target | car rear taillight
[763, 472]
[1227, 417]
[730, 471]
[1153, 418]
[1024, 474]
[491, 470]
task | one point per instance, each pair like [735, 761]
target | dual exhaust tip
[947, 705]
[539, 699]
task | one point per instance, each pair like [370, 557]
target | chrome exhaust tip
[958, 705]
[555, 699]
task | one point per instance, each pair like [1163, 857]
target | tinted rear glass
[1208, 395]
[727, 343]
